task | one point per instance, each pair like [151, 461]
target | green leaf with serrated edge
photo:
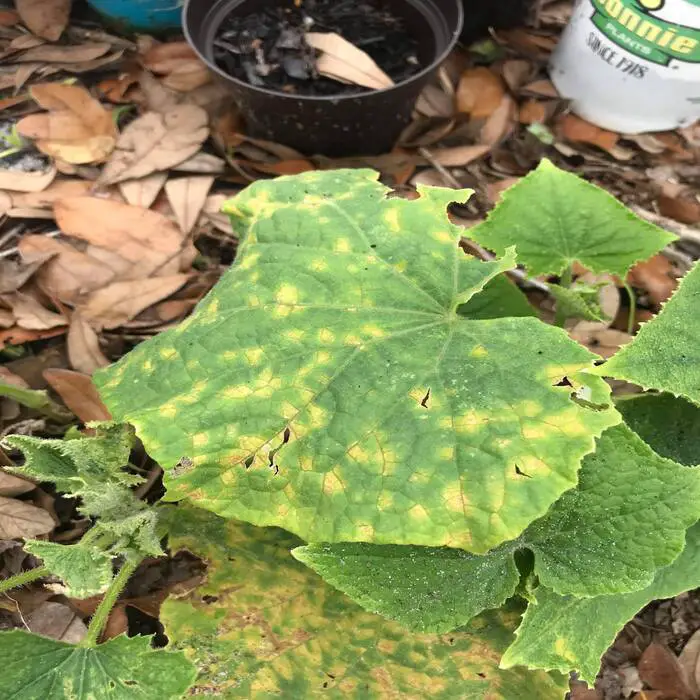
[669, 425]
[263, 625]
[665, 354]
[498, 299]
[85, 570]
[326, 385]
[425, 589]
[557, 633]
[92, 468]
[579, 301]
[601, 537]
[37, 668]
[555, 218]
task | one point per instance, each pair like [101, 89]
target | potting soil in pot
[268, 48]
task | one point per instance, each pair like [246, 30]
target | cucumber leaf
[328, 386]
[605, 536]
[665, 354]
[264, 625]
[85, 570]
[669, 425]
[37, 668]
[566, 633]
[555, 218]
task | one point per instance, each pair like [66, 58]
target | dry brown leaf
[20, 519]
[494, 190]
[458, 155]
[57, 621]
[187, 196]
[118, 303]
[116, 89]
[202, 163]
[541, 88]
[143, 192]
[45, 18]
[76, 129]
[656, 277]
[58, 189]
[343, 61]
[689, 661]
[23, 73]
[78, 393]
[659, 668]
[188, 76]
[156, 142]
[147, 239]
[18, 336]
[52, 53]
[83, 346]
[532, 112]
[30, 314]
[14, 274]
[480, 92]
[683, 206]
[434, 102]
[515, 72]
[7, 320]
[164, 58]
[212, 211]
[28, 213]
[19, 181]
[11, 485]
[84, 66]
[69, 273]
[573, 128]
[501, 123]
[8, 18]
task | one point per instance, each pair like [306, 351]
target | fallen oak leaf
[343, 61]
[83, 346]
[76, 128]
[148, 240]
[156, 142]
[51, 53]
[15, 335]
[30, 314]
[479, 92]
[143, 191]
[655, 276]
[120, 302]
[45, 18]
[78, 393]
[20, 519]
[58, 189]
[187, 196]
[459, 155]
[14, 274]
[500, 124]
[11, 485]
[57, 621]
[20, 181]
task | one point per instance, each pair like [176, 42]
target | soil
[267, 48]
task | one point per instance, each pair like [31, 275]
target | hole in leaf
[519, 472]
[425, 399]
[249, 462]
[209, 599]
[131, 683]
[481, 675]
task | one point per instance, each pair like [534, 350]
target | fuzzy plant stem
[633, 307]
[567, 278]
[99, 619]
[23, 578]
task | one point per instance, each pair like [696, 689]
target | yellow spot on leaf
[168, 353]
[253, 355]
[366, 532]
[325, 335]
[294, 335]
[479, 351]
[342, 245]
[419, 513]
[447, 453]
[168, 410]
[318, 265]
[237, 392]
[249, 261]
[253, 300]
[287, 294]
[454, 498]
[332, 484]
[230, 355]
[352, 340]
[200, 439]
[561, 646]
[443, 236]
[391, 217]
[288, 410]
[374, 331]
[470, 422]
[318, 416]
[358, 454]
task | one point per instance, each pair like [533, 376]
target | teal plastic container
[141, 15]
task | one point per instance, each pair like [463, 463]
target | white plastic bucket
[631, 65]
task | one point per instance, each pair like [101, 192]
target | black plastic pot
[362, 124]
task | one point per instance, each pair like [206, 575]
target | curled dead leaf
[83, 346]
[78, 393]
[21, 519]
[30, 314]
[187, 196]
[45, 18]
[479, 93]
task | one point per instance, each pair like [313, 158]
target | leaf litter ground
[82, 293]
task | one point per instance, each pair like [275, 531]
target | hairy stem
[99, 619]
[633, 307]
[567, 277]
[24, 578]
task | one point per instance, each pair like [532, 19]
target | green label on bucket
[650, 29]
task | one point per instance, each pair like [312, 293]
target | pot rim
[326, 98]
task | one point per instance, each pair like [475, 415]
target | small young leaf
[578, 301]
[565, 633]
[626, 518]
[264, 625]
[669, 425]
[37, 668]
[85, 570]
[328, 386]
[665, 354]
[555, 218]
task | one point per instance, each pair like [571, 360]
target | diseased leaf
[37, 668]
[337, 328]
[604, 536]
[555, 218]
[156, 142]
[20, 519]
[669, 425]
[264, 625]
[665, 354]
[557, 633]
[85, 570]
